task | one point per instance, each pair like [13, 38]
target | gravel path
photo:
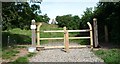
[57, 55]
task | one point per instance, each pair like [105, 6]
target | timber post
[95, 32]
[66, 40]
[91, 35]
[38, 34]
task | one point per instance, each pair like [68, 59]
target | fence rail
[63, 38]
[51, 47]
[87, 30]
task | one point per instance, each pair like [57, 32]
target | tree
[107, 15]
[46, 18]
[18, 15]
[86, 17]
[42, 18]
[71, 22]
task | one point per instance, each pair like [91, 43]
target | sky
[55, 8]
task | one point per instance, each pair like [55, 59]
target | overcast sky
[54, 8]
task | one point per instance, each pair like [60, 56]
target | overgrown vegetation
[110, 56]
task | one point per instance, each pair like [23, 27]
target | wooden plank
[63, 38]
[52, 47]
[86, 30]
[55, 31]
[80, 46]
[50, 38]
[79, 37]
[48, 47]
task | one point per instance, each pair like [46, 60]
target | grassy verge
[110, 56]
[23, 60]
[9, 53]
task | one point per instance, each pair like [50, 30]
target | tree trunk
[106, 33]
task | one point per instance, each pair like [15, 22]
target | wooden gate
[66, 38]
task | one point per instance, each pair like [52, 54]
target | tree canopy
[71, 22]
[107, 14]
[19, 15]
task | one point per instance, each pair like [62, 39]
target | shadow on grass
[109, 45]
[9, 39]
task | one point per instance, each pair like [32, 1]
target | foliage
[42, 18]
[86, 17]
[109, 56]
[18, 15]
[107, 13]
[71, 22]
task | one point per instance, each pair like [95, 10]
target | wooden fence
[66, 37]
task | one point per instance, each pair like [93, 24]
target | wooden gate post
[38, 34]
[91, 35]
[66, 40]
[95, 32]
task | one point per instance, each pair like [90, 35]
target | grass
[110, 56]
[31, 54]
[23, 60]
[9, 53]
